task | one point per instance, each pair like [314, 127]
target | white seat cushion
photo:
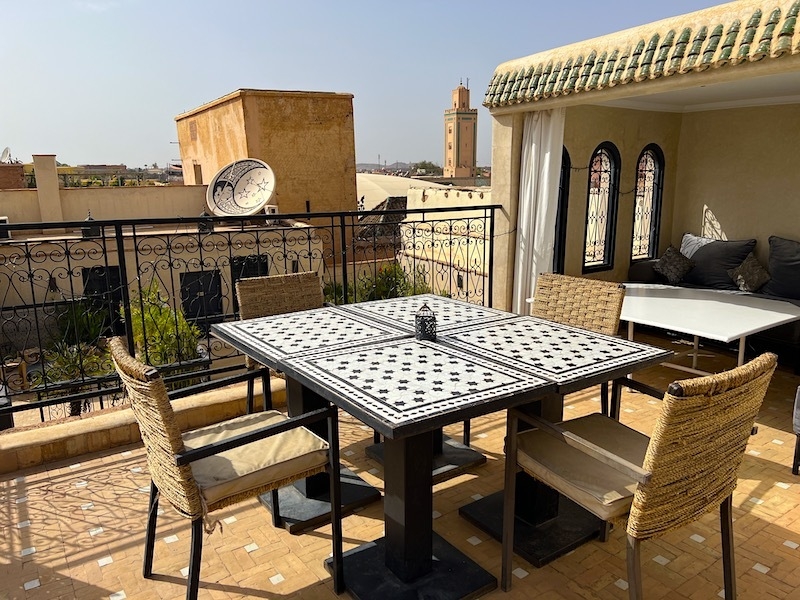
[597, 487]
[254, 465]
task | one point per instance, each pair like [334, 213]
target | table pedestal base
[300, 513]
[538, 544]
[454, 459]
[454, 575]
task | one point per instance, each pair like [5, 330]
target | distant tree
[426, 167]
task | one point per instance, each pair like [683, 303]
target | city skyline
[100, 82]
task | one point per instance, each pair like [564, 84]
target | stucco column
[506, 152]
[44, 166]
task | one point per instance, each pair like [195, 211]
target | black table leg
[306, 504]
[450, 458]
[547, 525]
[412, 561]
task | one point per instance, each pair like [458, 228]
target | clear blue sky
[100, 81]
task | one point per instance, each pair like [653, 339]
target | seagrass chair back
[276, 295]
[268, 296]
[697, 446]
[587, 303]
[153, 411]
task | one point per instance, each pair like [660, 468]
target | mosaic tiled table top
[395, 385]
[556, 352]
[271, 339]
[450, 313]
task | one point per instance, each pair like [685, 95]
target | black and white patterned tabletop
[272, 339]
[403, 382]
[556, 352]
[400, 312]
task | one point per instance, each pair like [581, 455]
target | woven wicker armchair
[207, 469]
[274, 295]
[686, 469]
[587, 303]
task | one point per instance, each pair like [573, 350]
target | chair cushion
[252, 466]
[601, 489]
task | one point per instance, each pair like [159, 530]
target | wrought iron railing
[66, 287]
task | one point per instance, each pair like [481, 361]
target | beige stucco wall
[20, 206]
[211, 136]
[630, 131]
[143, 202]
[506, 155]
[743, 165]
[306, 137]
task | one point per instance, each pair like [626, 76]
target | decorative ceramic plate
[241, 188]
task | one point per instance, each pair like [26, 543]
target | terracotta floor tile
[61, 515]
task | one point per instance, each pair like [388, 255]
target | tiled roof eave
[731, 38]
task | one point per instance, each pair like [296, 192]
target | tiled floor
[77, 530]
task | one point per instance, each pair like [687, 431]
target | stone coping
[48, 443]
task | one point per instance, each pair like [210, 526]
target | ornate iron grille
[601, 210]
[647, 205]
[162, 283]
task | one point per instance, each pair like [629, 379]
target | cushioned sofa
[731, 265]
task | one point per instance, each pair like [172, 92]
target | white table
[720, 315]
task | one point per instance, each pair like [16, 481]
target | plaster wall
[739, 175]
[630, 131]
[143, 202]
[210, 137]
[308, 139]
[20, 206]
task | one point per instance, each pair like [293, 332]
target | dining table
[366, 359]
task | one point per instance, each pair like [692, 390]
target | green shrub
[392, 281]
[161, 334]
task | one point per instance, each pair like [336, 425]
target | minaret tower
[460, 135]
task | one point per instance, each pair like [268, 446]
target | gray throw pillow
[750, 276]
[673, 265]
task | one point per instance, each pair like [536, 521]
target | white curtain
[540, 170]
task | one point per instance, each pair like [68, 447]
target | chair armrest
[189, 456]
[599, 453]
[640, 387]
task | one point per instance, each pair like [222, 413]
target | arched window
[601, 209]
[647, 205]
[560, 246]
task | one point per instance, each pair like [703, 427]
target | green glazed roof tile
[710, 38]
[564, 77]
[711, 47]
[597, 72]
[609, 71]
[680, 51]
[663, 53]
[749, 35]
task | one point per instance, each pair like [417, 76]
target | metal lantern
[205, 225]
[90, 231]
[425, 324]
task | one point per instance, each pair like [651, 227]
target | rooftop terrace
[76, 529]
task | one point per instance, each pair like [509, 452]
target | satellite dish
[6, 156]
[241, 188]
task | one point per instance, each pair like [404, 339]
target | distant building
[306, 137]
[460, 136]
